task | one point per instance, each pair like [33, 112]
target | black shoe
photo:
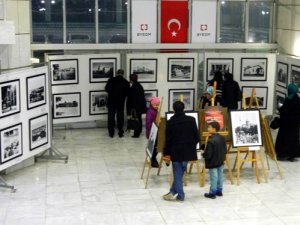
[135, 136]
[154, 164]
[291, 159]
[111, 135]
[210, 195]
[219, 194]
[121, 135]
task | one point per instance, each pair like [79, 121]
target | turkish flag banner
[174, 21]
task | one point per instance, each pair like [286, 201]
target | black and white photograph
[213, 65]
[38, 131]
[64, 71]
[254, 69]
[10, 98]
[98, 102]
[11, 142]
[36, 91]
[295, 73]
[145, 69]
[180, 69]
[194, 114]
[245, 128]
[151, 141]
[66, 105]
[282, 74]
[261, 93]
[101, 69]
[149, 94]
[280, 97]
[187, 96]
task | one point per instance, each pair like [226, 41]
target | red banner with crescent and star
[174, 21]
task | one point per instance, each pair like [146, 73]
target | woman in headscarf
[287, 142]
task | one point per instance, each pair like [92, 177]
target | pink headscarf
[154, 100]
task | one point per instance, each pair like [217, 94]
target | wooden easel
[147, 162]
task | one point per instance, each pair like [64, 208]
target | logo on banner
[143, 29]
[203, 29]
[177, 25]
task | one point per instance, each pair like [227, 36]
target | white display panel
[25, 132]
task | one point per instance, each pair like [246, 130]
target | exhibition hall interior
[60, 165]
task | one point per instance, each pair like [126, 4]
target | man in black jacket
[231, 93]
[182, 137]
[117, 88]
[214, 155]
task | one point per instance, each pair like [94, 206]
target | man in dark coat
[231, 93]
[117, 88]
[136, 102]
[182, 137]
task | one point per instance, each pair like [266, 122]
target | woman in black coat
[231, 93]
[136, 102]
[287, 142]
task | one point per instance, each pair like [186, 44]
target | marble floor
[101, 184]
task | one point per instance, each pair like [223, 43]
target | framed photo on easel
[151, 140]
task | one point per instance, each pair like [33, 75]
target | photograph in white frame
[261, 93]
[180, 69]
[151, 140]
[101, 69]
[149, 94]
[64, 71]
[194, 114]
[186, 95]
[254, 69]
[36, 91]
[11, 142]
[145, 69]
[38, 131]
[245, 128]
[10, 98]
[282, 74]
[66, 105]
[224, 65]
[280, 97]
[295, 76]
[98, 102]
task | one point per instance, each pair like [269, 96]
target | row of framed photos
[65, 71]
[252, 69]
[10, 94]
[283, 75]
[11, 138]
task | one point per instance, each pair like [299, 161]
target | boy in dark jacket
[214, 156]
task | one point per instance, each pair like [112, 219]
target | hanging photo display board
[24, 115]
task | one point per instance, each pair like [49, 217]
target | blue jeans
[216, 179]
[178, 171]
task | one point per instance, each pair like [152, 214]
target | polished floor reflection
[101, 184]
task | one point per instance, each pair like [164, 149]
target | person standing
[287, 142]
[218, 78]
[231, 93]
[117, 88]
[136, 102]
[214, 156]
[182, 137]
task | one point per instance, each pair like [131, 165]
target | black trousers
[139, 131]
[112, 111]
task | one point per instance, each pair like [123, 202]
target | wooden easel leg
[256, 166]
[160, 165]
[267, 159]
[201, 176]
[229, 169]
[149, 169]
[278, 168]
[145, 164]
[263, 166]
[238, 160]
[191, 167]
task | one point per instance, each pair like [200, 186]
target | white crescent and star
[176, 21]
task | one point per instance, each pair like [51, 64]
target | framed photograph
[98, 102]
[282, 74]
[295, 73]
[254, 69]
[180, 69]
[101, 69]
[186, 95]
[10, 98]
[64, 71]
[11, 142]
[149, 94]
[260, 92]
[214, 113]
[224, 65]
[145, 69]
[194, 114]
[280, 97]
[151, 140]
[245, 128]
[36, 91]
[38, 131]
[66, 105]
